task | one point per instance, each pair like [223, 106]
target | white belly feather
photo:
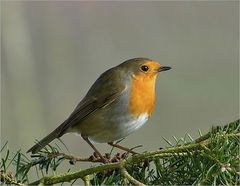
[135, 124]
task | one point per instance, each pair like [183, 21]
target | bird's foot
[100, 158]
[106, 158]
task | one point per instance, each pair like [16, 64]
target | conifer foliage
[213, 158]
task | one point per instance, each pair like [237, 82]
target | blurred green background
[52, 52]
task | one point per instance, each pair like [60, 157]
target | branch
[67, 177]
[212, 158]
[122, 165]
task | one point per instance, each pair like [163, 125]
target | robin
[119, 102]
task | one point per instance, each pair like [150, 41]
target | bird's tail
[50, 137]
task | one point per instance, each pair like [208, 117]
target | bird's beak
[164, 68]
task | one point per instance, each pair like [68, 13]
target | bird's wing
[108, 87]
[104, 91]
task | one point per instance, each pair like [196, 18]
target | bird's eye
[144, 68]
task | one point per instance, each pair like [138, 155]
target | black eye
[144, 68]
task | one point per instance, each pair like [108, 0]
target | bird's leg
[95, 149]
[122, 148]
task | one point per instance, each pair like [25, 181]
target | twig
[73, 158]
[86, 180]
[130, 178]
[6, 178]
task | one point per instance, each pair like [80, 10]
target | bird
[118, 103]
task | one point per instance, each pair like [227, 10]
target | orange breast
[142, 95]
